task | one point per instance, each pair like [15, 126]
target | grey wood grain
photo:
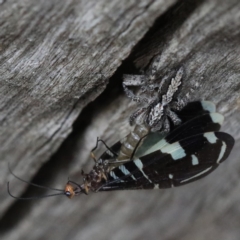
[56, 60]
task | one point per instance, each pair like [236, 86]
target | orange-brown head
[73, 189]
[69, 191]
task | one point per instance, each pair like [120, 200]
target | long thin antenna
[32, 198]
[33, 184]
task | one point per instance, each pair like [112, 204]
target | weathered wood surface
[56, 58]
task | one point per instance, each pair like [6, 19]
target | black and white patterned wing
[194, 109]
[174, 164]
[208, 122]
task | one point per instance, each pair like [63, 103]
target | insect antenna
[62, 192]
[32, 198]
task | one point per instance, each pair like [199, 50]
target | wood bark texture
[61, 71]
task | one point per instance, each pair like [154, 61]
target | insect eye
[69, 191]
[68, 194]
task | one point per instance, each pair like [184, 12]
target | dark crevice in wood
[137, 16]
[161, 31]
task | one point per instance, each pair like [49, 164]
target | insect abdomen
[131, 141]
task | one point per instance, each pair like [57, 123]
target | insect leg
[100, 140]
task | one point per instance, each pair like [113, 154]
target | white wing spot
[223, 149]
[170, 176]
[210, 136]
[112, 174]
[217, 118]
[194, 160]
[156, 186]
[175, 150]
[209, 106]
[126, 172]
[139, 165]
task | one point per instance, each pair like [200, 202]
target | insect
[189, 152]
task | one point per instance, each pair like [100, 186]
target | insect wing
[174, 164]
[209, 122]
[194, 109]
